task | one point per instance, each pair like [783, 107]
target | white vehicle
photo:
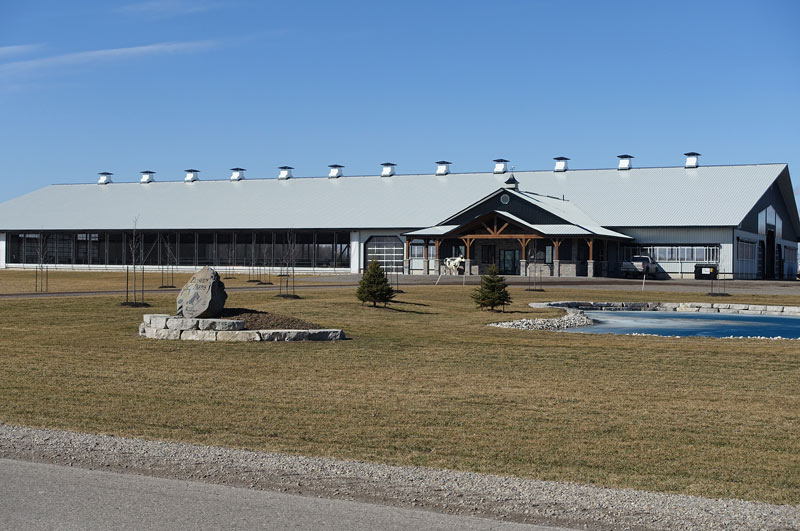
[638, 266]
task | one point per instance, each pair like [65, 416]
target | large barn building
[559, 222]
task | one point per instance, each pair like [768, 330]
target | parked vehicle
[638, 266]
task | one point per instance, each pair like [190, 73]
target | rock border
[163, 326]
[701, 307]
[575, 318]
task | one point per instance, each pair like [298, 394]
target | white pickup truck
[638, 266]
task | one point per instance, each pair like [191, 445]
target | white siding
[722, 236]
[355, 252]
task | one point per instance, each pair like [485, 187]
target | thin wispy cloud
[102, 56]
[167, 7]
[18, 49]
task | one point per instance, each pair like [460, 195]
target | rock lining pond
[689, 319]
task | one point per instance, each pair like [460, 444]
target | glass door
[509, 262]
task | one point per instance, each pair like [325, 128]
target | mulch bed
[257, 320]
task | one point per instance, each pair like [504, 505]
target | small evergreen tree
[374, 286]
[492, 291]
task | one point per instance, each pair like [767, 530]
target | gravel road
[503, 498]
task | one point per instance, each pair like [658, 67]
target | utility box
[706, 271]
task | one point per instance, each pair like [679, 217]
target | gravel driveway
[504, 498]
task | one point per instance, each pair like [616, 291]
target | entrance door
[509, 262]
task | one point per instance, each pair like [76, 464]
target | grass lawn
[426, 383]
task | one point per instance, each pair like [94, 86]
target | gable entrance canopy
[508, 214]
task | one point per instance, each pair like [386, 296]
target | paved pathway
[36, 496]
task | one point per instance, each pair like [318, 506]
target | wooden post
[556, 244]
[523, 259]
[590, 243]
[467, 242]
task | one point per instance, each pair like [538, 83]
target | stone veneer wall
[161, 326]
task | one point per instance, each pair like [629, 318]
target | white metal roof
[436, 230]
[704, 196]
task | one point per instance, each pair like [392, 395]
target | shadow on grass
[411, 303]
[400, 310]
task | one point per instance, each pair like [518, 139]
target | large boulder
[203, 296]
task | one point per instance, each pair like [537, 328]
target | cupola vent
[692, 159]
[388, 169]
[336, 171]
[238, 174]
[191, 176]
[285, 173]
[624, 162]
[561, 163]
[500, 165]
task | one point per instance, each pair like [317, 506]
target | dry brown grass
[426, 383]
[24, 281]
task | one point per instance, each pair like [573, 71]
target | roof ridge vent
[105, 177]
[443, 167]
[561, 163]
[238, 174]
[286, 172]
[388, 169]
[336, 171]
[691, 159]
[147, 177]
[624, 162]
[191, 175]
[500, 165]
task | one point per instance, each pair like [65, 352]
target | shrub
[374, 286]
[492, 291]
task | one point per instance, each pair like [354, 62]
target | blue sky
[170, 84]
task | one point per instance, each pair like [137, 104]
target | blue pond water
[691, 324]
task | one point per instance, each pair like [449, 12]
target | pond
[691, 324]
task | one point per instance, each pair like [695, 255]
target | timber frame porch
[504, 228]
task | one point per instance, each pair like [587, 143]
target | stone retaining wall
[699, 307]
[160, 326]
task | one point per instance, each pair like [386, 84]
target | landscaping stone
[161, 333]
[220, 324]
[238, 335]
[203, 296]
[738, 306]
[758, 307]
[158, 321]
[573, 319]
[176, 323]
[776, 309]
[198, 335]
[325, 335]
